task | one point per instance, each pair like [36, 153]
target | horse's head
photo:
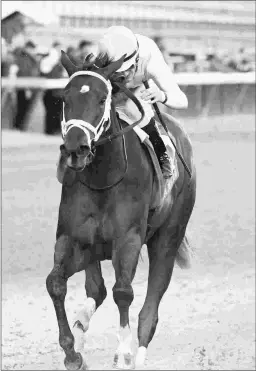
[86, 108]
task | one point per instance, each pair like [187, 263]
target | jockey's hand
[152, 95]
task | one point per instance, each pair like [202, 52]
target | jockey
[144, 61]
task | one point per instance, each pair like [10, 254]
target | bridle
[84, 125]
[100, 128]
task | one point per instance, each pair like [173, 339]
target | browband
[91, 73]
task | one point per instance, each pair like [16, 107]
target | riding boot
[164, 160]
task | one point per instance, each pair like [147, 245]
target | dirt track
[207, 315]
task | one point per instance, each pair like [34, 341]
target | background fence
[208, 94]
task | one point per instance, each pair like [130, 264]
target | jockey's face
[128, 75]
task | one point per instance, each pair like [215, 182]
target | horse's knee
[56, 285]
[123, 294]
[56, 281]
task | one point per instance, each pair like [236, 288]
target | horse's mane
[103, 60]
[92, 63]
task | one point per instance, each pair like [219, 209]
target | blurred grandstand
[194, 36]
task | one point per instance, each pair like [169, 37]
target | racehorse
[107, 211]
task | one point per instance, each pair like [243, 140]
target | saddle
[162, 186]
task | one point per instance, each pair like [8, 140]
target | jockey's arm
[161, 74]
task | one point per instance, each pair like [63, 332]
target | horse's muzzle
[78, 160]
[76, 168]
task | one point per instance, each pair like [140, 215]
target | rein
[121, 132]
[130, 127]
[85, 126]
[93, 188]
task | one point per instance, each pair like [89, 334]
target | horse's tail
[185, 254]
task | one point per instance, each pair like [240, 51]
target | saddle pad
[163, 186]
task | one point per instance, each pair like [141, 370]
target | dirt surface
[207, 319]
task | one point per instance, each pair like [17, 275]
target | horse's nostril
[63, 150]
[83, 150]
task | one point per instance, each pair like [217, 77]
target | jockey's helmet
[117, 41]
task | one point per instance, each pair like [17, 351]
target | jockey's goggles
[130, 60]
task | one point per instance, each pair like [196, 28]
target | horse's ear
[88, 61]
[67, 64]
[113, 67]
[89, 57]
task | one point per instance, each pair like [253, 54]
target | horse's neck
[114, 123]
[111, 152]
[110, 161]
[115, 147]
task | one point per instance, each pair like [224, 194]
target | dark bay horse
[106, 213]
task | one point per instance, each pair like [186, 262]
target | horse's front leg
[125, 259]
[69, 258]
[96, 293]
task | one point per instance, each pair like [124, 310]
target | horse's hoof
[123, 361]
[140, 358]
[79, 365]
[84, 366]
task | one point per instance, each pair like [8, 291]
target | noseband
[84, 125]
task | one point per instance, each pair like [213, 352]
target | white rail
[183, 79]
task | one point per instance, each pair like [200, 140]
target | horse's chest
[100, 220]
[94, 229]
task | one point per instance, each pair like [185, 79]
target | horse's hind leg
[125, 259]
[96, 293]
[161, 262]
[69, 258]
[162, 249]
